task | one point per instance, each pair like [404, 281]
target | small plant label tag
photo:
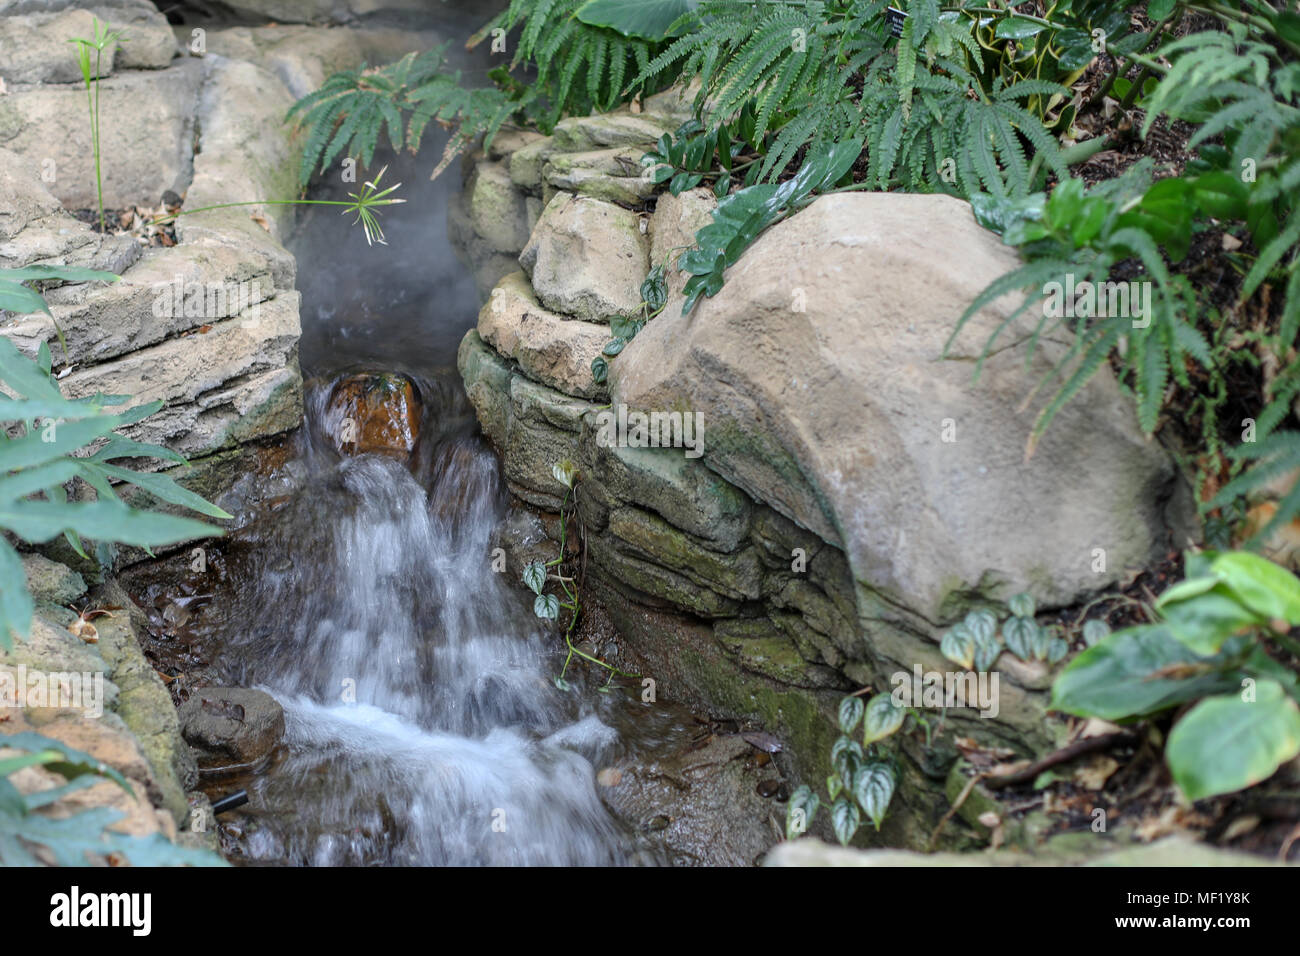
[895, 20]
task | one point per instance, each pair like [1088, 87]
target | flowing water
[423, 725]
[423, 722]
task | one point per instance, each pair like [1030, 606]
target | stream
[423, 721]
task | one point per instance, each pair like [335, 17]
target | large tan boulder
[819, 374]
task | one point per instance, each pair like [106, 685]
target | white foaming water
[422, 723]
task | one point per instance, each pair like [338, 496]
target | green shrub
[1212, 651]
[82, 838]
[50, 440]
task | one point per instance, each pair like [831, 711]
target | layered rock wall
[853, 493]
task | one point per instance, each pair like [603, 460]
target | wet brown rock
[231, 727]
[374, 414]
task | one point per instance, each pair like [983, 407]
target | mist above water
[408, 302]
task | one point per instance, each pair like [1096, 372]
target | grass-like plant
[101, 39]
[364, 204]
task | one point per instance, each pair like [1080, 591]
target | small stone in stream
[658, 823]
[374, 414]
[174, 615]
[768, 788]
[609, 777]
[229, 727]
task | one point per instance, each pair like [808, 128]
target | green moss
[734, 575]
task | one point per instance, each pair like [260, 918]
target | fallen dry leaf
[761, 740]
[1096, 727]
[258, 218]
[1239, 827]
[1094, 773]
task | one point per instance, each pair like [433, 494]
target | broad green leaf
[1023, 605]
[1187, 589]
[1041, 643]
[1094, 632]
[624, 328]
[1017, 28]
[17, 298]
[981, 622]
[1228, 743]
[564, 472]
[845, 820]
[1020, 633]
[987, 650]
[535, 576]
[1264, 587]
[851, 709]
[799, 812]
[16, 606]
[654, 292]
[68, 762]
[546, 606]
[1221, 195]
[883, 717]
[834, 785]
[164, 488]
[1205, 621]
[101, 520]
[873, 788]
[846, 757]
[958, 645]
[1115, 679]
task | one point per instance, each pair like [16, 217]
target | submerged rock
[374, 414]
[706, 806]
[230, 727]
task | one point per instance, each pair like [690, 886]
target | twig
[1085, 746]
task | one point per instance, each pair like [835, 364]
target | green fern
[352, 109]
[579, 68]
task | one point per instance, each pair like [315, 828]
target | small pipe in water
[230, 802]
